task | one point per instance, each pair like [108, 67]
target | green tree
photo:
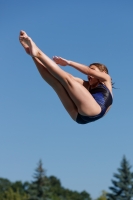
[5, 184]
[85, 196]
[12, 191]
[55, 188]
[103, 196]
[39, 187]
[11, 195]
[18, 186]
[26, 187]
[123, 185]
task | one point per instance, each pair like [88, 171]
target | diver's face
[92, 80]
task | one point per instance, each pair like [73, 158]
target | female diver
[85, 101]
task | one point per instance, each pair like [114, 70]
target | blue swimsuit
[103, 97]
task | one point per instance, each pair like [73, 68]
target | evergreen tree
[38, 189]
[123, 186]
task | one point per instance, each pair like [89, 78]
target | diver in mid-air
[85, 101]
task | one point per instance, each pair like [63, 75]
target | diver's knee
[69, 79]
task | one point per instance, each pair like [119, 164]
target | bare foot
[24, 44]
[27, 42]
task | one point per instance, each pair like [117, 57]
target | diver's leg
[59, 89]
[54, 83]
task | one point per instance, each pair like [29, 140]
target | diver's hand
[61, 61]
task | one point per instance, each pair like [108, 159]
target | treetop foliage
[41, 188]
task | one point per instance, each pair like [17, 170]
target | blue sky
[33, 123]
